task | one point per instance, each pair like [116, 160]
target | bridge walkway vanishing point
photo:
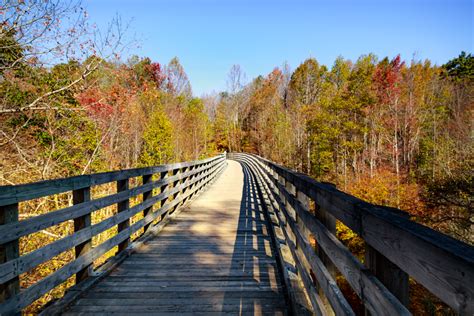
[216, 256]
[231, 234]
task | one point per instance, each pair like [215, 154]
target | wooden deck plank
[215, 257]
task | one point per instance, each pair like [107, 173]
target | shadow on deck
[217, 256]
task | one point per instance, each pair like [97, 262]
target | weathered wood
[250, 308]
[146, 196]
[394, 279]
[314, 298]
[9, 251]
[11, 194]
[201, 269]
[105, 269]
[290, 294]
[397, 247]
[82, 222]
[80, 239]
[304, 249]
[329, 222]
[15, 267]
[30, 294]
[383, 299]
[368, 288]
[176, 173]
[163, 175]
[391, 276]
[123, 206]
[16, 230]
[407, 244]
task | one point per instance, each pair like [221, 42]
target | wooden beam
[123, 185]
[15, 230]
[11, 194]
[9, 251]
[82, 222]
[146, 179]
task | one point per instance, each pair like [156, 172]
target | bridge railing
[177, 184]
[396, 247]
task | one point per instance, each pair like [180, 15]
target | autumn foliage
[391, 132]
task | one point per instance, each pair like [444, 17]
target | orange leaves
[95, 105]
[387, 79]
[385, 189]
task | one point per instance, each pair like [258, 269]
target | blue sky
[209, 36]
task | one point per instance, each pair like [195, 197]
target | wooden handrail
[186, 181]
[396, 246]
[11, 194]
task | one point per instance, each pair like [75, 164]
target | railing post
[123, 185]
[146, 196]
[329, 222]
[9, 251]
[193, 178]
[304, 200]
[394, 279]
[176, 183]
[290, 188]
[188, 178]
[282, 182]
[163, 188]
[81, 222]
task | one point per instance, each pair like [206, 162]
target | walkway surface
[215, 257]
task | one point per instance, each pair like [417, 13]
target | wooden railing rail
[396, 247]
[177, 183]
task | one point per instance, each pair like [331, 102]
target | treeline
[394, 133]
[391, 132]
[121, 116]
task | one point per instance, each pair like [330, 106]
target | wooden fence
[177, 183]
[397, 248]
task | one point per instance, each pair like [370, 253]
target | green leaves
[461, 67]
[157, 140]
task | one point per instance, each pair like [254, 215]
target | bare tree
[35, 36]
[178, 82]
[235, 79]
[43, 33]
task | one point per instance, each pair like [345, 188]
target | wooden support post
[175, 184]
[81, 222]
[187, 169]
[394, 279]
[146, 196]
[202, 173]
[282, 181]
[329, 222]
[9, 251]
[292, 190]
[123, 185]
[195, 184]
[304, 200]
[163, 188]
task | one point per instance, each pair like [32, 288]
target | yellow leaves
[384, 188]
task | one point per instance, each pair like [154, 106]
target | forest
[391, 131]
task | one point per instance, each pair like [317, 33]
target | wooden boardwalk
[214, 251]
[216, 256]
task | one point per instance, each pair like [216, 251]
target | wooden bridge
[240, 235]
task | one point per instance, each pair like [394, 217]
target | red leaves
[386, 79]
[157, 74]
[94, 104]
